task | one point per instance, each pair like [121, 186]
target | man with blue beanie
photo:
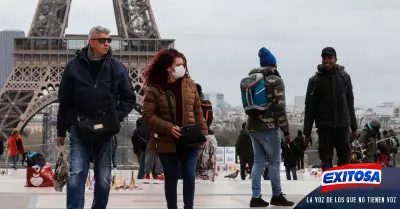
[264, 132]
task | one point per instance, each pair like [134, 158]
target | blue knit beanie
[266, 57]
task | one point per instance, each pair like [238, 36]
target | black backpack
[30, 159]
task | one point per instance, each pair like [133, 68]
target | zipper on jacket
[173, 108]
[334, 117]
[183, 103]
[101, 69]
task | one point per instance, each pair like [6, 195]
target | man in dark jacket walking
[244, 149]
[86, 107]
[330, 103]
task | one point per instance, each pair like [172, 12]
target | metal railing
[125, 158]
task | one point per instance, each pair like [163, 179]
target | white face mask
[179, 72]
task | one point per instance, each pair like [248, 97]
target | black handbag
[191, 134]
[106, 122]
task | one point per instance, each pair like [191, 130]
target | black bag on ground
[105, 123]
[191, 134]
[30, 159]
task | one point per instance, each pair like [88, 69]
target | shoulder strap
[112, 78]
[170, 107]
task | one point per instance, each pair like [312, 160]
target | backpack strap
[343, 74]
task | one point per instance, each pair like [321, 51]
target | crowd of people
[173, 139]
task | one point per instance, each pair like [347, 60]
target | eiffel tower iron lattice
[40, 58]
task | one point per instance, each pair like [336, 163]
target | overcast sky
[221, 38]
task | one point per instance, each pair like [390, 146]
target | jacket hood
[371, 131]
[266, 71]
[322, 68]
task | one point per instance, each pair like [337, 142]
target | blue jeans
[81, 151]
[14, 160]
[188, 161]
[266, 144]
[141, 164]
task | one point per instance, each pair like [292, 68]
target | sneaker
[256, 202]
[146, 179]
[159, 179]
[280, 200]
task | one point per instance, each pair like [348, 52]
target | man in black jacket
[244, 149]
[330, 102]
[84, 89]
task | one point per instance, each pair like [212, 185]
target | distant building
[217, 99]
[299, 102]
[6, 53]
[389, 109]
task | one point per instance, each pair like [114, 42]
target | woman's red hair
[15, 132]
[156, 72]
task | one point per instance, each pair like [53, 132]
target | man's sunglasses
[103, 40]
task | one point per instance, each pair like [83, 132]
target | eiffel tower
[40, 58]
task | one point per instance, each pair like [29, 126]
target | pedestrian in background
[15, 147]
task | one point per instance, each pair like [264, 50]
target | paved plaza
[223, 193]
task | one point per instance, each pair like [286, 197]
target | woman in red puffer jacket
[15, 146]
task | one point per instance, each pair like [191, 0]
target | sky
[221, 38]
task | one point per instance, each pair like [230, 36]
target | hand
[175, 131]
[60, 141]
[354, 134]
[203, 145]
[308, 140]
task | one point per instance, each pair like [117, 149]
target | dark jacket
[275, 116]
[367, 139]
[290, 154]
[329, 100]
[80, 93]
[299, 140]
[244, 147]
[141, 136]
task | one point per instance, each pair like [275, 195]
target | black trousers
[243, 168]
[300, 161]
[334, 138]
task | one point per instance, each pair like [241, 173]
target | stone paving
[229, 194]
